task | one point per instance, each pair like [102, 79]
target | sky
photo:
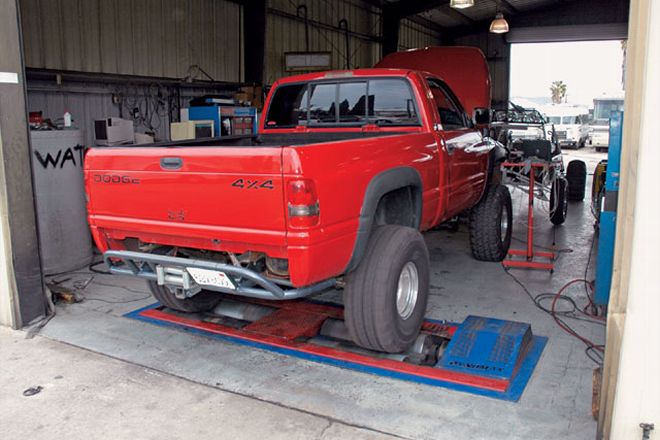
[589, 69]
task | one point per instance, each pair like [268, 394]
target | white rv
[570, 123]
[599, 128]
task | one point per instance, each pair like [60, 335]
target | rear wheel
[576, 175]
[558, 201]
[491, 225]
[385, 297]
[201, 302]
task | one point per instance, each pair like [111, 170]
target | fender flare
[381, 184]
[495, 157]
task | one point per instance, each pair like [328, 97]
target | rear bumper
[167, 270]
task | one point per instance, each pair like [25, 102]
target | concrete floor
[87, 395]
[556, 403]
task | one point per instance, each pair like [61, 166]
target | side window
[322, 103]
[451, 116]
[352, 102]
[391, 102]
[300, 107]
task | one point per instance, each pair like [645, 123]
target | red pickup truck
[347, 169]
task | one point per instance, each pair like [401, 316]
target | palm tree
[624, 48]
[558, 91]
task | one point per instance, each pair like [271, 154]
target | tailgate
[223, 193]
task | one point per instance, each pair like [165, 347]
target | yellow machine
[598, 187]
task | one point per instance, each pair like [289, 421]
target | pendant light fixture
[461, 4]
[499, 25]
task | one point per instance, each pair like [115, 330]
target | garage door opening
[572, 93]
[575, 85]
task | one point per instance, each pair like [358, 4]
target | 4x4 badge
[253, 184]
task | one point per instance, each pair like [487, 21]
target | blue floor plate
[510, 390]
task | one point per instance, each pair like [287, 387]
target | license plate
[207, 277]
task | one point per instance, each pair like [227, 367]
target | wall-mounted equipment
[113, 131]
[191, 130]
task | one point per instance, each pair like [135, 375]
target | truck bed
[216, 194]
[264, 140]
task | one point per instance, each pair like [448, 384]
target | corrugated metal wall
[286, 34]
[147, 37]
[413, 35]
[163, 38]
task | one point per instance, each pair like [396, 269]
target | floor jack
[484, 356]
[531, 257]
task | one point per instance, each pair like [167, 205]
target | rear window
[554, 119]
[382, 101]
[570, 120]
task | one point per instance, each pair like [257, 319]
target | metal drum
[57, 159]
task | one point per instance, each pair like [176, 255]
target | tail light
[303, 203]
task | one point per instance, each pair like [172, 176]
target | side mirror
[481, 116]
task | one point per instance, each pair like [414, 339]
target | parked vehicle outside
[599, 128]
[570, 124]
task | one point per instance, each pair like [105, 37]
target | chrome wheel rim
[504, 224]
[407, 290]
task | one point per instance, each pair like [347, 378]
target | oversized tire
[491, 225]
[202, 302]
[576, 175]
[385, 297]
[558, 200]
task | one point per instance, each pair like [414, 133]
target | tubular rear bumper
[172, 271]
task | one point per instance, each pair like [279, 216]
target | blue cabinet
[607, 230]
[229, 120]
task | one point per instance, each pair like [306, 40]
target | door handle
[481, 147]
[171, 163]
